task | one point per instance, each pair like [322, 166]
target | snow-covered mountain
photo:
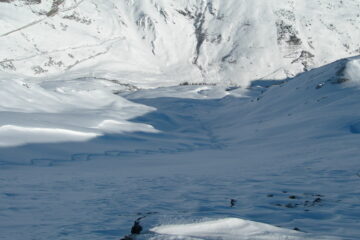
[169, 42]
[115, 111]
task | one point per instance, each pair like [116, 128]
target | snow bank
[17, 135]
[57, 111]
[352, 72]
[228, 228]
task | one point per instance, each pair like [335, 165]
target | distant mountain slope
[160, 43]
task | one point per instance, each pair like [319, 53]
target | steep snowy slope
[160, 43]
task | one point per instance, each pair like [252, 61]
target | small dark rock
[297, 229]
[318, 195]
[289, 205]
[320, 85]
[127, 238]
[294, 40]
[136, 228]
[270, 195]
[317, 200]
[292, 197]
[184, 84]
[232, 202]
[231, 89]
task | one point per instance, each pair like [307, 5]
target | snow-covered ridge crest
[352, 72]
[55, 112]
[161, 43]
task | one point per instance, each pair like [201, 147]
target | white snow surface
[116, 110]
[352, 72]
[285, 150]
[227, 229]
[58, 111]
[162, 43]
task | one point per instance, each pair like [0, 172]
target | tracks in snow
[185, 126]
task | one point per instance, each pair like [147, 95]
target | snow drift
[57, 112]
[227, 229]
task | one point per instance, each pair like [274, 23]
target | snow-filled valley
[287, 153]
[201, 119]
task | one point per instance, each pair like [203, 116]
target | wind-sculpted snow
[161, 43]
[227, 229]
[60, 111]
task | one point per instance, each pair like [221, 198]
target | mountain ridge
[164, 43]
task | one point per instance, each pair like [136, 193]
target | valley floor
[287, 153]
[186, 173]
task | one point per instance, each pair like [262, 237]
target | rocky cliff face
[161, 43]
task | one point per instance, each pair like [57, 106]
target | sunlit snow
[202, 120]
